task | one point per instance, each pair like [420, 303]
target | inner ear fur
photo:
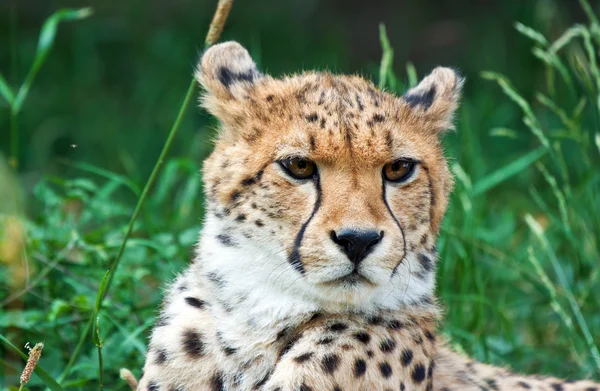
[227, 71]
[436, 98]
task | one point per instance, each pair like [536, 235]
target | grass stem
[100, 380]
[214, 31]
[14, 140]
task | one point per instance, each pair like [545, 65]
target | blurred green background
[113, 83]
[519, 273]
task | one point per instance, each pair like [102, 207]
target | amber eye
[299, 168]
[399, 171]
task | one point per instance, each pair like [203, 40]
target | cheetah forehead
[328, 117]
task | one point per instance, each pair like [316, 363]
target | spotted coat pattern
[273, 301]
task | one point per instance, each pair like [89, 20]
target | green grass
[520, 258]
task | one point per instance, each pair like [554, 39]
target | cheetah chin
[315, 268]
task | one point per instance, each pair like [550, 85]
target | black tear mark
[294, 258]
[397, 223]
[431, 197]
[424, 99]
[227, 77]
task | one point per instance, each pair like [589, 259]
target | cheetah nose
[356, 244]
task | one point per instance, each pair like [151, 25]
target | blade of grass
[386, 59]
[503, 132]
[589, 11]
[554, 302]
[6, 91]
[105, 174]
[530, 118]
[562, 202]
[45, 42]
[496, 177]
[584, 33]
[569, 35]
[554, 62]
[216, 26]
[411, 74]
[131, 338]
[559, 112]
[41, 276]
[562, 279]
[96, 331]
[14, 61]
[43, 375]
[531, 33]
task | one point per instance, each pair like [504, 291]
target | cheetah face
[339, 187]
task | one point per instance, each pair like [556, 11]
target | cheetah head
[321, 186]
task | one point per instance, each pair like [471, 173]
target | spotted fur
[272, 301]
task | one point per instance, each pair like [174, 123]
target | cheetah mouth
[350, 280]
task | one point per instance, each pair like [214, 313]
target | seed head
[34, 356]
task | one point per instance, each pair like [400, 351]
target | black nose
[356, 244]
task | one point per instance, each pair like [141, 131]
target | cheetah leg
[456, 372]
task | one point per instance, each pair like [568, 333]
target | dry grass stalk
[218, 21]
[129, 378]
[213, 35]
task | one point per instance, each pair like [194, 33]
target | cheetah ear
[227, 71]
[436, 98]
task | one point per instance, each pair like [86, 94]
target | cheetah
[315, 267]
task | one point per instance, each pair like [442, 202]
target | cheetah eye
[399, 170]
[298, 167]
